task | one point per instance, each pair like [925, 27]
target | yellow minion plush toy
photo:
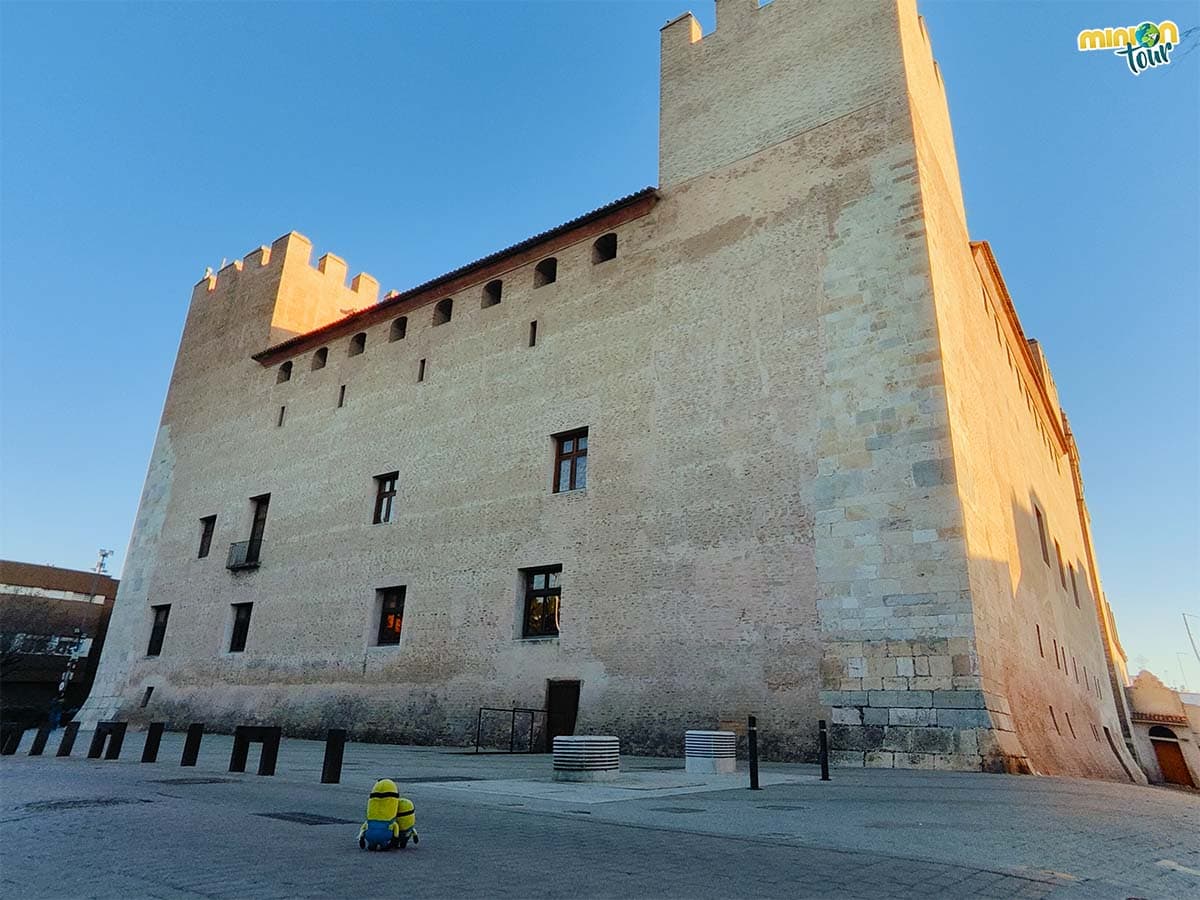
[391, 819]
[381, 831]
[406, 820]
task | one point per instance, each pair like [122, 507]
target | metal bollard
[753, 735]
[39, 741]
[153, 739]
[335, 749]
[10, 739]
[823, 749]
[191, 746]
[68, 739]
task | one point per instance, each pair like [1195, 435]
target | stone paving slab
[120, 828]
[632, 785]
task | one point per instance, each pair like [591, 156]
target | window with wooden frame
[241, 627]
[570, 460]
[542, 600]
[391, 616]
[385, 496]
[1041, 524]
[159, 629]
[208, 525]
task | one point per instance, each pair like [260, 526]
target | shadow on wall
[1045, 655]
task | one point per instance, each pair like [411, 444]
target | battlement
[290, 250]
[768, 73]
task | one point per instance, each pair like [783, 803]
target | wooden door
[1171, 763]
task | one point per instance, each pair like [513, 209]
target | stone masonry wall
[1039, 659]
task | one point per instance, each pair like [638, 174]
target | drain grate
[81, 803]
[301, 818]
[677, 809]
[194, 781]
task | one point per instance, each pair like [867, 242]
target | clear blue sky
[142, 143]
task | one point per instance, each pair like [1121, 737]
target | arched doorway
[1170, 757]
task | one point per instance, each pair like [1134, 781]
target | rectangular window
[570, 461]
[1062, 573]
[241, 627]
[385, 494]
[207, 526]
[1041, 652]
[279, 422]
[533, 333]
[421, 371]
[258, 527]
[1074, 585]
[1056, 659]
[341, 396]
[1075, 668]
[159, 629]
[542, 595]
[1041, 523]
[391, 615]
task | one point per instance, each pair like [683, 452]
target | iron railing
[512, 731]
[244, 555]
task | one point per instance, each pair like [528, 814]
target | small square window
[391, 616]
[570, 461]
[385, 496]
[241, 627]
[541, 606]
[492, 292]
[159, 629]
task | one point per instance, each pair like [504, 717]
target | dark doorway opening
[562, 706]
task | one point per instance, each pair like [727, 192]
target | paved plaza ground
[498, 826]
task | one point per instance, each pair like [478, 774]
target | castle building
[767, 438]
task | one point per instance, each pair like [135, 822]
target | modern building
[52, 627]
[767, 438]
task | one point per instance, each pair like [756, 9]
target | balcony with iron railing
[244, 555]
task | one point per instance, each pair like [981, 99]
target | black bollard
[823, 750]
[68, 739]
[116, 738]
[335, 749]
[97, 745]
[191, 746]
[270, 750]
[753, 733]
[39, 741]
[10, 739]
[241, 749]
[153, 739]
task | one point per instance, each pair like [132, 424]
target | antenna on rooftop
[102, 562]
